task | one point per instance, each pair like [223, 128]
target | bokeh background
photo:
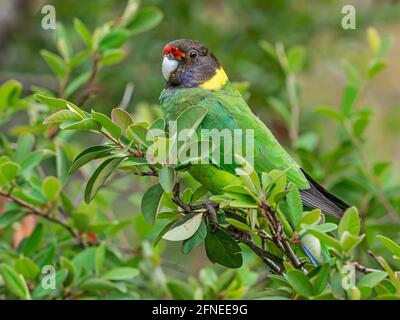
[233, 30]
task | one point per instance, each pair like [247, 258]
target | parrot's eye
[193, 53]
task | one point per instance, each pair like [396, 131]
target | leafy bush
[258, 216]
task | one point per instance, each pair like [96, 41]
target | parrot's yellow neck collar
[217, 80]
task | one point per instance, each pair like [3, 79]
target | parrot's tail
[318, 198]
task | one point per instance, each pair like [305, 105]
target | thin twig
[273, 262]
[363, 269]
[87, 90]
[44, 214]
[278, 236]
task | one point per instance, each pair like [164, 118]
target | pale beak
[168, 67]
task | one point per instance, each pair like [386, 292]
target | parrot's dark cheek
[175, 78]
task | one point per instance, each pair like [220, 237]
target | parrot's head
[189, 64]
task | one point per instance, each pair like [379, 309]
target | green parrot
[194, 77]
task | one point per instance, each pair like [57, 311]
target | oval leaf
[150, 203]
[184, 228]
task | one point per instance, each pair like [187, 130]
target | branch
[363, 269]
[278, 236]
[273, 262]
[87, 90]
[45, 215]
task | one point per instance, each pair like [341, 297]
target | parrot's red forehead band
[178, 54]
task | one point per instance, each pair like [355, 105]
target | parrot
[194, 77]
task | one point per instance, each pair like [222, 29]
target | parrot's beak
[172, 56]
[169, 65]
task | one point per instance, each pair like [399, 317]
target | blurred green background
[233, 31]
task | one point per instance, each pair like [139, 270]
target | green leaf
[62, 163]
[372, 279]
[331, 113]
[121, 117]
[390, 245]
[9, 93]
[61, 116]
[164, 230]
[281, 109]
[324, 227]
[167, 178]
[196, 239]
[86, 124]
[56, 63]
[222, 249]
[33, 160]
[296, 57]
[76, 83]
[375, 67]
[209, 277]
[121, 273]
[294, 206]
[99, 258]
[14, 282]
[146, 19]
[239, 199]
[349, 241]
[326, 239]
[30, 198]
[184, 228]
[25, 145]
[113, 39]
[300, 283]
[96, 285]
[84, 32]
[100, 176]
[350, 222]
[137, 134]
[67, 264]
[150, 203]
[89, 154]
[322, 279]
[180, 290]
[237, 224]
[78, 58]
[10, 216]
[57, 103]
[133, 163]
[40, 290]
[278, 180]
[62, 42]
[350, 94]
[158, 124]
[85, 260]
[9, 171]
[34, 241]
[113, 56]
[311, 217]
[249, 176]
[51, 188]
[107, 124]
[28, 268]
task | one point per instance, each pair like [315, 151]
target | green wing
[227, 109]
